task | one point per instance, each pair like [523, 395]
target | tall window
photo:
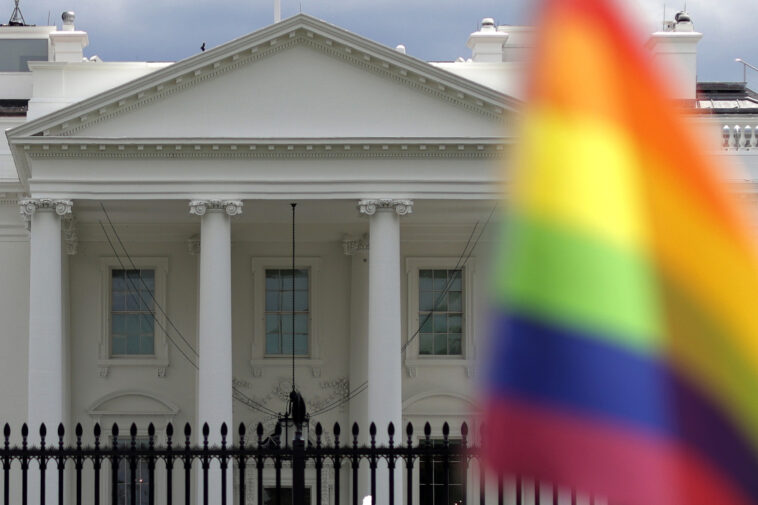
[279, 310]
[132, 324]
[141, 477]
[440, 304]
[431, 478]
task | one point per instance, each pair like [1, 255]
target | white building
[146, 278]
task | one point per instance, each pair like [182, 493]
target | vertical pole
[298, 471]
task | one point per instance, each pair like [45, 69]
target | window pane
[440, 323]
[426, 343]
[454, 303]
[426, 322]
[286, 323]
[287, 343]
[272, 323]
[272, 279]
[118, 301]
[132, 300]
[425, 280]
[440, 343]
[286, 301]
[301, 301]
[454, 323]
[426, 300]
[132, 344]
[286, 279]
[146, 344]
[301, 279]
[147, 324]
[272, 301]
[119, 345]
[301, 344]
[132, 324]
[440, 280]
[440, 301]
[118, 324]
[455, 280]
[454, 343]
[301, 324]
[272, 343]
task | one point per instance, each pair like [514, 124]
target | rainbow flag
[626, 351]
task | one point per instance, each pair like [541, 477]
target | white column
[214, 388]
[385, 399]
[46, 386]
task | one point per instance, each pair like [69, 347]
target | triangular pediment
[300, 78]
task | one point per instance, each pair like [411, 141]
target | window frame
[413, 360]
[259, 359]
[287, 314]
[159, 358]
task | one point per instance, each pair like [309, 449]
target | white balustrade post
[384, 394]
[214, 388]
[46, 386]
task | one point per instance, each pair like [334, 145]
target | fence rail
[177, 455]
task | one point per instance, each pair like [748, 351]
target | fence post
[298, 470]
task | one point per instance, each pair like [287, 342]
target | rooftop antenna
[17, 19]
[277, 11]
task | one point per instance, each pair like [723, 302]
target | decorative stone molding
[29, 206]
[352, 245]
[370, 207]
[161, 371]
[103, 371]
[200, 207]
[70, 234]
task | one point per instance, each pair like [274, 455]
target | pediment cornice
[297, 30]
[338, 148]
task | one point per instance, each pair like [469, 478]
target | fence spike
[151, 430]
[372, 431]
[61, 430]
[114, 430]
[319, 432]
[206, 432]
[133, 430]
[336, 432]
[24, 430]
[78, 430]
[169, 430]
[42, 432]
[391, 433]
[464, 429]
[224, 430]
[445, 432]
[427, 430]
[187, 430]
[7, 430]
[355, 429]
[241, 430]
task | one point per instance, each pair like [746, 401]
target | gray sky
[169, 30]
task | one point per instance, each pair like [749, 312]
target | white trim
[412, 358]
[160, 359]
[259, 360]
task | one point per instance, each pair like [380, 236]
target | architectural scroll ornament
[29, 206]
[351, 245]
[200, 207]
[401, 207]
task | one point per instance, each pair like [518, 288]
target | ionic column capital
[200, 207]
[370, 207]
[29, 206]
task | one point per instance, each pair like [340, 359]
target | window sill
[259, 365]
[160, 364]
[431, 361]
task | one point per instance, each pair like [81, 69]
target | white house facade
[146, 235]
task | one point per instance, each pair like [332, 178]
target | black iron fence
[130, 464]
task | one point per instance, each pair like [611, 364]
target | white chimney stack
[68, 44]
[487, 44]
[675, 50]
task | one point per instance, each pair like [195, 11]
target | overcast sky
[169, 30]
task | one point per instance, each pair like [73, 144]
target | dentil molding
[370, 207]
[351, 245]
[200, 207]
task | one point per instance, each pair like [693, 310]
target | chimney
[68, 44]
[487, 44]
[675, 50]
